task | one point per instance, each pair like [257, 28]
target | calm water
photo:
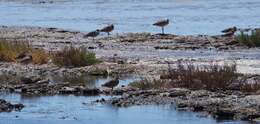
[187, 16]
[70, 110]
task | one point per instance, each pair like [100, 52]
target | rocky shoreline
[228, 105]
[142, 54]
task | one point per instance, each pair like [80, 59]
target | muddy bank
[54, 38]
[228, 105]
[52, 80]
[142, 50]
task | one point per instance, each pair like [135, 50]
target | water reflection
[70, 109]
[90, 81]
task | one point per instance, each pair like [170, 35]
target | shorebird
[92, 34]
[229, 31]
[162, 24]
[112, 83]
[108, 29]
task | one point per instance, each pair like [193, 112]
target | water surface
[70, 109]
[187, 16]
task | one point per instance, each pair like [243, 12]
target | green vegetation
[69, 56]
[10, 50]
[212, 77]
[251, 39]
[147, 84]
[74, 57]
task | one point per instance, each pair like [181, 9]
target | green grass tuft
[250, 39]
[75, 57]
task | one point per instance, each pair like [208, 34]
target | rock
[69, 90]
[224, 114]
[197, 108]
[91, 92]
[118, 92]
[177, 93]
[24, 58]
[29, 80]
[8, 107]
[181, 105]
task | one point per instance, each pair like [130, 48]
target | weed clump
[250, 39]
[75, 57]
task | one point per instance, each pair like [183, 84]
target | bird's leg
[93, 39]
[111, 93]
[162, 30]
[108, 35]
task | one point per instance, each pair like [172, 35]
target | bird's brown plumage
[112, 83]
[232, 29]
[229, 31]
[107, 29]
[162, 23]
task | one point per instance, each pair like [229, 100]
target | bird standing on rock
[229, 31]
[92, 34]
[108, 29]
[112, 83]
[162, 24]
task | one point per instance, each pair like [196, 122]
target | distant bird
[108, 29]
[229, 31]
[92, 34]
[112, 83]
[162, 24]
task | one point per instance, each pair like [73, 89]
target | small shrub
[250, 39]
[75, 57]
[213, 77]
[146, 84]
[10, 50]
[250, 84]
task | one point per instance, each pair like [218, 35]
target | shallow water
[91, 81]
[187, 16]
[67, 109]
[70, 109]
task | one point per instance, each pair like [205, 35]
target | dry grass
[40, 56]
[10, 50]
[212, 77]
[69, 56]
[75, 57]
[147, 84]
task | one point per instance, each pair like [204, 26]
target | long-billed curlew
[108, 29]
[92, 34]
[162, 24]
[112, 83]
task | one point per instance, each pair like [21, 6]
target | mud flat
[143, 54]
[228, 105]
[142, 49]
